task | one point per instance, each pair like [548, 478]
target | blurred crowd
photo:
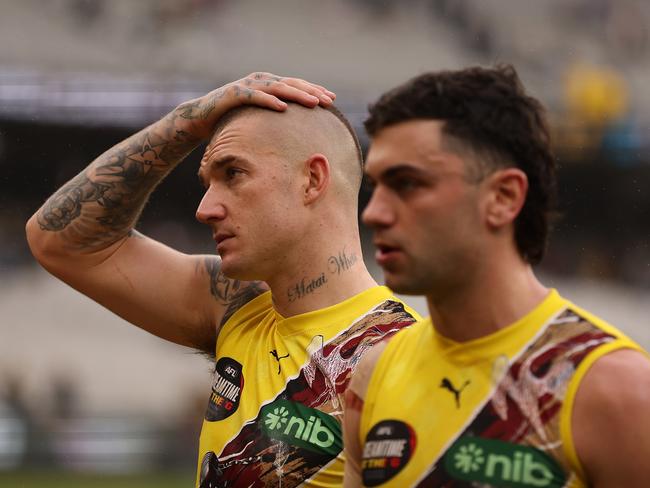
[56, 433]
[585, 58]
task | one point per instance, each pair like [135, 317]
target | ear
[317, 170]
[507, 191]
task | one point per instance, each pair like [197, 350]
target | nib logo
[499, 463]
[469, 458]
[301, 426]
[276, 419]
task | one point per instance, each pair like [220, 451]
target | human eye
[232, 173]
[404, 184]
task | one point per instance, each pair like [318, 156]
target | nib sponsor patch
[500, 463]
[389, 446]
[227, 385]
[301, 426]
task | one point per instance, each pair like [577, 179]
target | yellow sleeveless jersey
[275, 412]
[494, 411]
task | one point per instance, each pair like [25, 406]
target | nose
[210, 208]
[379, 211]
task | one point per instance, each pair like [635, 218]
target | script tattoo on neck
[335, 265]
[102, 203]
[341, 262]
[305, 287]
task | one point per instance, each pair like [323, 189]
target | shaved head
[300, 132]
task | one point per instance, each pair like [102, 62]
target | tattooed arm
[84, 233]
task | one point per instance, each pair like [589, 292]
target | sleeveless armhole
[566, 433]
[371, 388]
[256, 305]
[368, 400]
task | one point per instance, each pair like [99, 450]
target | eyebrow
[215, 165]
[400, 169]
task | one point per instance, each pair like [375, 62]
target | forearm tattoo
[101, 204]
[202, 108]
[197, 110]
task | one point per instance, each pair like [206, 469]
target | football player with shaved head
[507, 383]
[287, 308]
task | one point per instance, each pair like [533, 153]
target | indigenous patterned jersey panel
[483, 413]
[274, 413]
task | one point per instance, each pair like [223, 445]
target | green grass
[67, 480]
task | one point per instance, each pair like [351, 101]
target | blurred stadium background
[88, 400]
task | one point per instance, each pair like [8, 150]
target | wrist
[193, 119]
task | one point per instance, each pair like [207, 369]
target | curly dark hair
[486, 111]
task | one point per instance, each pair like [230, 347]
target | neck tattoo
[305, 287]
[341, 262]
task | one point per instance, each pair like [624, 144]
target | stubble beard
[236, 267]
[407, 281]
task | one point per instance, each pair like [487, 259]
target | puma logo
[447, 384]
[274, 353]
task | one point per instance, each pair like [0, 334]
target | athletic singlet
[274, 415]
[495, 411]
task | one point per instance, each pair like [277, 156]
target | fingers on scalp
[324, 90]
[312, 88]
[262, 79]
[242, 92]
[246, 91]
[263, 99]
[301, 94]
[293, 88]
[287, 88]
[269, 78]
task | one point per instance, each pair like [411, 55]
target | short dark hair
[488, 111]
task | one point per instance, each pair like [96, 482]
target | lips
[221, 238]
[386, 253]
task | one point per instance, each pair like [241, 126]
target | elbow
[41, 243]
[35, 237]
[57, 248]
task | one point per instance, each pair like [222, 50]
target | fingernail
[332, 95]
[325, 98]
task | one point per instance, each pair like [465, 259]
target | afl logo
[227, 385]
[389, 446]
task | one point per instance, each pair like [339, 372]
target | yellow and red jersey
[495, 411]
[275, 410]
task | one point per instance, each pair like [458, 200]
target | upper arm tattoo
[231, 293]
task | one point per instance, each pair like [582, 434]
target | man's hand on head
[260, 89]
